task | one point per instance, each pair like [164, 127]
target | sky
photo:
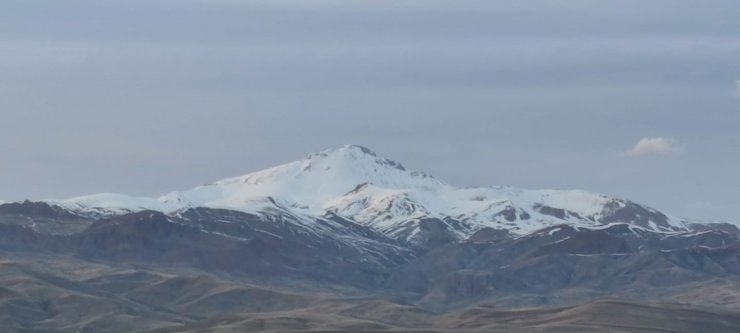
[638, 99]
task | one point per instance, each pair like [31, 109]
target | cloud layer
[525, 93]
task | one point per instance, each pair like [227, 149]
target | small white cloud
[655, 146]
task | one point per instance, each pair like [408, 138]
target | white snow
[112, 203]
[553, 231]
[357, 184]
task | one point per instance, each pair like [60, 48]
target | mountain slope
[66, 295]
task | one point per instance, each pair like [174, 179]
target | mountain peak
[356, 148]
[310, 182]
[349, 153]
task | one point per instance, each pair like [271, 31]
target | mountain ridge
[358, 184]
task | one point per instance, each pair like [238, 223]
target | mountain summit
[308, 183]
[358, 185]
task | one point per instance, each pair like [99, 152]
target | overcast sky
[639, 99]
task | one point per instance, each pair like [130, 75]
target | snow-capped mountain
[347, 221]
[356, 184]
